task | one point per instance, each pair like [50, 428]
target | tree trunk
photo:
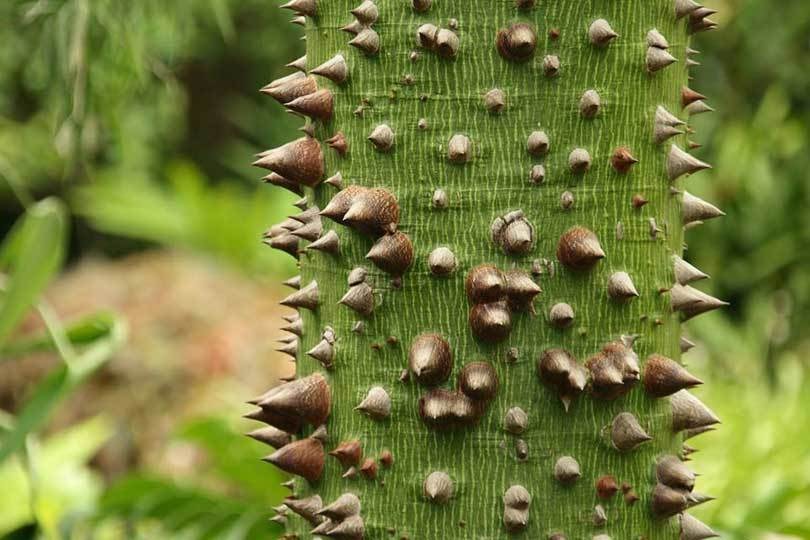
[474, 153]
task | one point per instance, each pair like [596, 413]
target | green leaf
[233, 458]
[80, 333]
[30, 256]
[185, 511]
[58, 384]
[62, 484]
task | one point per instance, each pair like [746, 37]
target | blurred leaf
[225, 221]
[30, 256]
[83, 332]
[58, 384]
[62, 482]
[185, 511]
[234, 458]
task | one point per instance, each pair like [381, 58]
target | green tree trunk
[438, 136]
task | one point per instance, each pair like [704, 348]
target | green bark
[392, 88]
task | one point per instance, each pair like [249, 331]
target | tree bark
[603, 98]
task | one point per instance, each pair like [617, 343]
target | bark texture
[457, 157]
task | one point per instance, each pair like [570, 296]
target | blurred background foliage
[134, 123]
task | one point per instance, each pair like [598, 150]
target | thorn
[664, 377]
[366, 12]
[284, 242]
[620, 287]
[306, 298]
[613, 371]
[310, 231]
[688, 412]
[318, 105]
[551, 65]
[517, 42]
[295, 327]
[341, 508]
[537, 174]
[478, 381]
[303, 458]
[328, 243]
[382, 137]
[692, 302]
[290, 87]
[696, 499]
[335, 69]
[697, 107]
[338, 143]
[348, 452]
[561, 315]
[566, 470]
[442, 409]
[459, 149]
[438, 487]
[299, 161]
[307, 507]
[657, 59]
[590, 103]
[579, 160]
[351, 528]
[392, 253]
[271, 436]
[685, 7]
[421, 5]
[484, 283]
[513, 233]
[303, 7]
[656, 39]
[336, 181]
[579, 249]
[606, 487]
[353, 27]
[515, 421]
[495, 101]
[290, 349]
[376, 404]
[369, 468]
[680, 163]
[666, 502]
[307, 399]
[666, 125]
[685, 273]
[671, 472]
[278, 180]
[367, 40]
[520, 290]
[490, 322]
[299, 63]
[560, 370]
[600, 33]
[689, 96]
[638, 200]
[599, 517]
[622, 160]
[626, 433]
[694, 529]
[442, 262]
[447, 43]
[430, 359]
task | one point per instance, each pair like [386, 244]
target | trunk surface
[427, 95]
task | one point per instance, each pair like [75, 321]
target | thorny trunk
[473, 153]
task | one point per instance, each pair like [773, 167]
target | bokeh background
[128, 205]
